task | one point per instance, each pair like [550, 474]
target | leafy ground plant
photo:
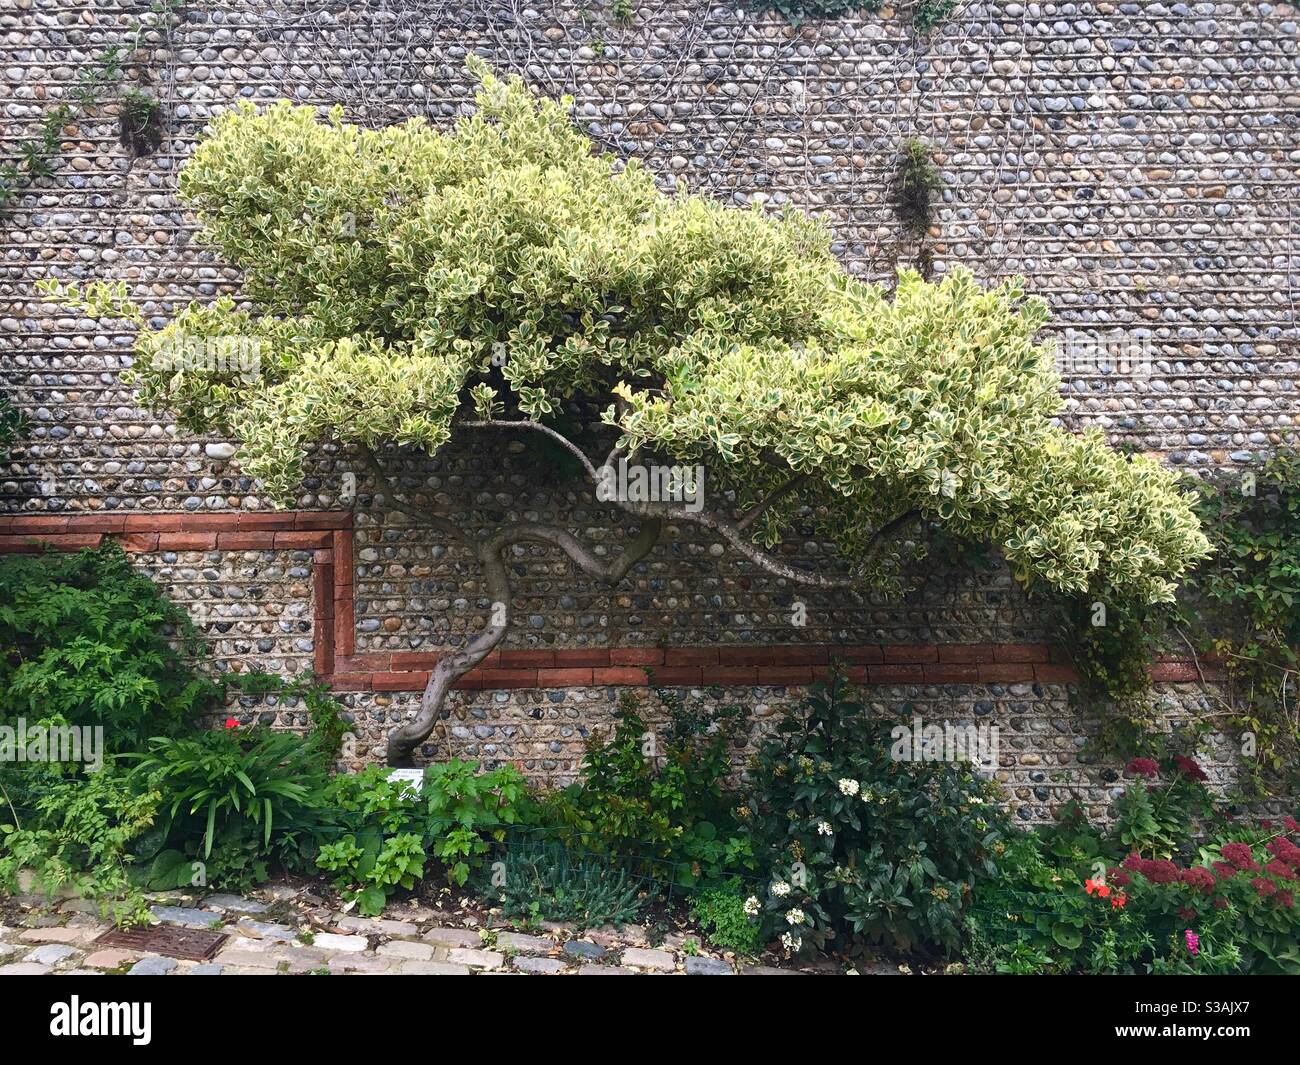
[231, 800]
[386, 830]
[77, 834]
[549, 880]
[657, 798]
[729, 916]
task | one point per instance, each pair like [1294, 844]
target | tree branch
[762, 506]
[537, 427]
[403, 740]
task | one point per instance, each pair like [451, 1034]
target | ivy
[1244, 608]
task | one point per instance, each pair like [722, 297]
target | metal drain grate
[192, 944]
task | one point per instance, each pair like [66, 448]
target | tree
[409, 285]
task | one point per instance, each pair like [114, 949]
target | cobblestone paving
[284, 930]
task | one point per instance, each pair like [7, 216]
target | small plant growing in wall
[141, 122]
[34, 156]
[930, 13]
[919, 182]
[926, 14]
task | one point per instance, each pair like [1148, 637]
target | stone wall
[1138, 163]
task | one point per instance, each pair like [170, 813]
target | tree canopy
[407, 281]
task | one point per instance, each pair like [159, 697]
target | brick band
[329, 536]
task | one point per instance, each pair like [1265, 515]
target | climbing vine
[1244, 609]
[34, 157]
[1238, 614]
[12, 426]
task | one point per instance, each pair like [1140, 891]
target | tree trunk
[404, 739]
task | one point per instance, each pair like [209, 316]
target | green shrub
[729, 917]
[658, 798]
[548, 880]
[233, 800]
[87, 638]
[76, 834]
[388, 829]
[865, 849]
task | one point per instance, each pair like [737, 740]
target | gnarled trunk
[404, 739]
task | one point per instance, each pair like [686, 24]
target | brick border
[329, 536]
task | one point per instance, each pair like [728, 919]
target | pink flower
[1193, 942]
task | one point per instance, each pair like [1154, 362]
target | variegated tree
[412, 286]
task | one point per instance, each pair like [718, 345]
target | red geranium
[232, 722]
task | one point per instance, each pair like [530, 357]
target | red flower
[1118, 877]
[1220, 903]
[1280, 870]
[1187, 913]
[1142, 767]
[1096, 887]
[1292, 824]
[1225, 870]
[1263, 887]
[1264, 823]
[1239, 854]
[1285, 850]
[1189, 768]
[1197, 877]
[1117, 903]
[232, 722]
[1159, 872]
[1284, 899]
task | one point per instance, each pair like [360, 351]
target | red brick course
[330, 537]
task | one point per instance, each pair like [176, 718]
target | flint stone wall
[1138, 163]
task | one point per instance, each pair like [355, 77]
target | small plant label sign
[414, 778]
